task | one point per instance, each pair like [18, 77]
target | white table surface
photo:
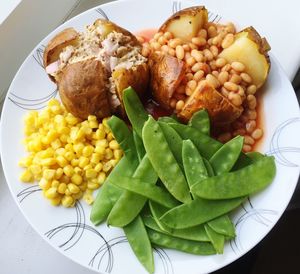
[23, 251]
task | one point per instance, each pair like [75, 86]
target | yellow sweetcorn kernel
[78, 170]
[44, 184]
[83, 161]
[108, 154]
[100, 150]
[67, 201]
[93, 185]
[35, 170]
[102, 143]
[61, 161]
[113, 144]
[58, 173]
[25, 162]
[74, 162]
[118, 153]
[90, 173]
[88, 198]
[87, 151]
[68, 170]
[76, 179]
[71, 120]
[83, 186]
[69, 148]
[64, 138]
[101, 177]
[77, 196]
[51, 193]
[48, 162]
[49, 174]
[98, 167]
[55, 201]
[26, 176]
[95, 158]
[62, 188]
[65, 179]
[56, 144]
[89, 166]
[73, 188]
[55, 184]
[109, 136]
[99, 134]
[78, 148]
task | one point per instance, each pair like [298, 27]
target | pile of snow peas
[175, 185]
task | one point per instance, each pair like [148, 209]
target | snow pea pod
[239, 183]
[223, 225]
[224, 159]
[216, 239]
[163, 161]
[147, 190]
[157, 211]
[130, 204]
[135, 110]
[198, 212]
[200, 121]
[109, 193]
[174, 141]
[206, 145]
[167, 119]
[124, 137]
[188, 246]
[194, 167]
[139, 146]
[139, 241]
[196, 233]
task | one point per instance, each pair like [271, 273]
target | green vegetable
[134, 110]
[148, 190]
[157, 211]
[206, 145]
[224, 159]
[124, 138]
[130, 204]
[167, 119]
[196, 233]
[188, 246]
[139, 146]
[198, 212]
[200, 121]
[223, 225]
[174, 141]
[239, 183]
[217, 239]
[109, 193]
[162, 160]
[194, 167]
[139, 241]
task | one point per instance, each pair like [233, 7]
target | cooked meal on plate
[166, 127]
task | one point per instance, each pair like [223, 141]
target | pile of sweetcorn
[69, 158]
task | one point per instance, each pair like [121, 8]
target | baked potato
[166, 74]
[92, 68]
[219, 108]
[186, 23]
[252, 50]
[82, 88]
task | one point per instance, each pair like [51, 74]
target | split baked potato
[92, 68]
[252, 50]
[219, 108]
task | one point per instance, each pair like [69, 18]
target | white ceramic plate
[105, 249]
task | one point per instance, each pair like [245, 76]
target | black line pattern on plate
[31, 104]
[106, 249]
[277, 150]
[26, 192]
[176, 6]
[38, 56]
[102, 13]
[258, 215]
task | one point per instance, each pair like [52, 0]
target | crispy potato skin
[136, 77]
[57, 43]
[82, 88]
[220, 109]
[166, 74]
